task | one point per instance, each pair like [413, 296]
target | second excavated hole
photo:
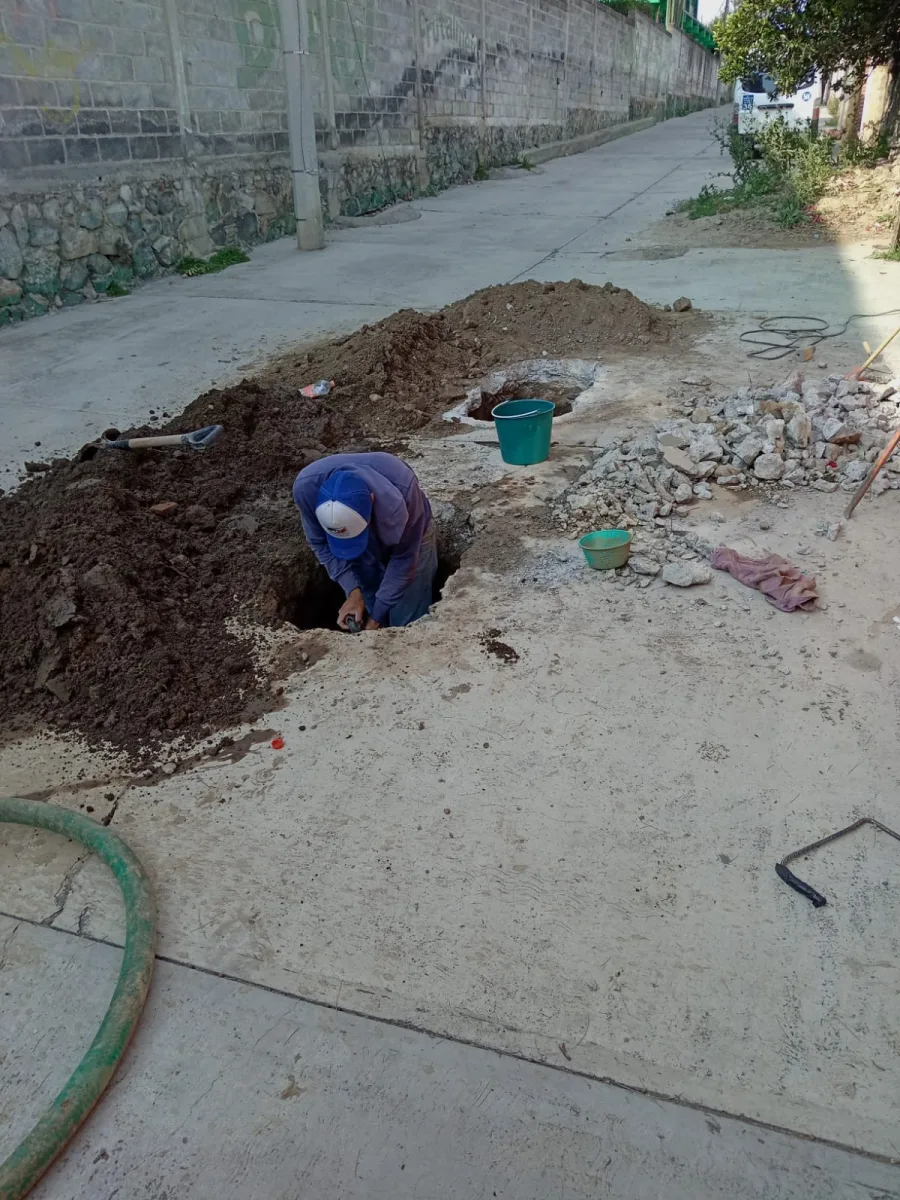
[562, 396]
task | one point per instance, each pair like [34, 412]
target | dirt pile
[524, 320]
[119, 571]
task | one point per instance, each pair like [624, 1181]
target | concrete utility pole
[301, 125]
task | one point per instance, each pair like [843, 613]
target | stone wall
[133, 132]
[67, 243]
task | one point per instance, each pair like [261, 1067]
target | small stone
[765, 523]
[683, 493]
[90, 219]
[103, 579]
[682, 304]
[58, 687]
[165, 508]
[60, 611]
[686, 574]
[700, 415]
[769, 467]
[703, 491]
[824, 485]
[641, 564]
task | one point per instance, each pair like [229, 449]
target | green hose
[86, 1085]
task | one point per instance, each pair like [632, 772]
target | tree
[790, 38]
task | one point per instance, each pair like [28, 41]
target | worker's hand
[370, 624]
[354, 606]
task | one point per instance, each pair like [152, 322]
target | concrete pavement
[303, 1102]
[616, 802]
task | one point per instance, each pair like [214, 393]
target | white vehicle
[757, 102]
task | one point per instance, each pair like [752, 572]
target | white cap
[340, 520]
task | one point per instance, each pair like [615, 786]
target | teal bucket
[524, 428]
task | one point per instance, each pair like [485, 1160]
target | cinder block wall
[135, 131]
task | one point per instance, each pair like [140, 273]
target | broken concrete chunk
[642, 564]
[799, 429]
[749, 450]
[824, 485]
[682, 304]
[705, 448]
[680, 440]
[836, 431]
[686, 574]
[855, 470]
[769, 467]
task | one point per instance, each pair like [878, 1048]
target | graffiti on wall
[259, 37]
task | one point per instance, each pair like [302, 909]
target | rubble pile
[823, 434]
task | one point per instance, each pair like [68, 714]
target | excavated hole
[562, 395]
[308, 599]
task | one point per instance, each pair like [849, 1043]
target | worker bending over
[369, 524]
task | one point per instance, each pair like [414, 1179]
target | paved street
[347, 1005]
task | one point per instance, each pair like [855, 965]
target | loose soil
[121, 571]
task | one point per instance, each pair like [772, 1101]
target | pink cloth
[785, 587]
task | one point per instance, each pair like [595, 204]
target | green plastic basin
[606, 549]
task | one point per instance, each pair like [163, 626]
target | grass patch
[116, 289]
[888, 255]
[525, 163]
[779, 171]
[481, 172]
[226, 257]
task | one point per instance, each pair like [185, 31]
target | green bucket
[606, 549]
[524, 428]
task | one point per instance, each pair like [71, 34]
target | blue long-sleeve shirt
[400, 516]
